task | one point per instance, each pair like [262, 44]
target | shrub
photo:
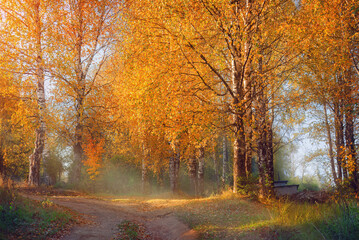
[20, 216]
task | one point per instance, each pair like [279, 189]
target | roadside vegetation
[222, 216]
[186, 99]
[234, 216]
[128, 230]
[316, 221]
[22, 218]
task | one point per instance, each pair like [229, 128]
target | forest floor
[226, 216]
[116, 219]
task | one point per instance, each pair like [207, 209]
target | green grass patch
[231, 216]
[128, 231]
[224, 217]
[29, 219]
[316, 221]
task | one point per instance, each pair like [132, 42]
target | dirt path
[106, 216]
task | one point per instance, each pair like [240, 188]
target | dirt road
[107, 215]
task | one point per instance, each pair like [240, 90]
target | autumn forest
[190, 97]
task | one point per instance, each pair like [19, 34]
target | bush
[248, 186]
[22, 217]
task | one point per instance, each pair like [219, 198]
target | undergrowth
[339, 221]
[232, 216]
[129, 230]
[225, 216]
[28, 219]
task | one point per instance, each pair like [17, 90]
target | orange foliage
[93, 150]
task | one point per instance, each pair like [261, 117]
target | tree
[26, 23]
[35, 158]
[16, 127]
[329, 53]
[86, 31]
[220, 48]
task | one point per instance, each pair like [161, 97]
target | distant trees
[329, 51]
[228, 49]
[172, 83]
[167, 122]
[69, 40]
[85, 33]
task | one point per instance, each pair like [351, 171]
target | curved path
[106, 216]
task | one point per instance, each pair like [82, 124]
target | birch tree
[220, 46]
[86, 33]
[330, 66]
[30, 19]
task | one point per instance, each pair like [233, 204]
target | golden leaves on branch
[93, 150]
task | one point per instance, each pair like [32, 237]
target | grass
[224, 217]
[129, 230]
[316, 221]
[21, 218]
[231, 216]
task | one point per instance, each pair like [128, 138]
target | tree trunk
[160, 178]
[348, 110]
[330, 144]
[241, 81]
[264, 139]
[145, 183]
[269, 160]
[193, 169]
[2, 165]
[35, 157]
[350, 147]
[174, 164]
[248, 95]
[260, 112]
[78, 154]
[200, 158]
[261, 154]
[249, 139]
[45, 157]
[265, 161]
[239, 146]
[239, 171]
[224, 161]
[339, 141]
[80, 96]
[216, 172]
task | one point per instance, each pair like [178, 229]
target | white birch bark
[35, 158]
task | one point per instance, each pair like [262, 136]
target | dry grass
[233, 216]
[225, 216]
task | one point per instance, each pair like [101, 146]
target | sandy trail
[106, 216]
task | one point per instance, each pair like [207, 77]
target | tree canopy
[175, 86]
